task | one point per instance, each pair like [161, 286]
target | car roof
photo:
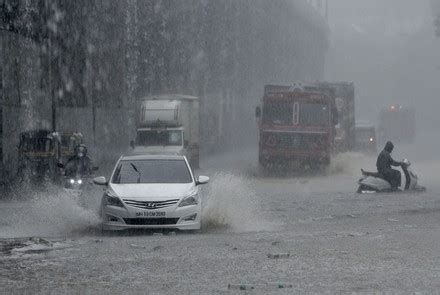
[151, 157]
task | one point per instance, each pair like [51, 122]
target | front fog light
[112, 218]
[190, 218]
[189, 201]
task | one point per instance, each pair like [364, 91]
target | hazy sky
[388, 49]
[376, 13]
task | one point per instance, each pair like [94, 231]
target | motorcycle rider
[384, 163]
[80, 164]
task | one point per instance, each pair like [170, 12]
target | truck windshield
[314, 114]
[152, 171]
[310, 114]
[160, 137]
[278, 113]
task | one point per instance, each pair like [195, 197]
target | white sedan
[151, 191]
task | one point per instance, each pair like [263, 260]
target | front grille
[151, 221]
[151, 205]
[292, 140]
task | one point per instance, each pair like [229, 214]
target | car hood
[152, 192]
[158, 150]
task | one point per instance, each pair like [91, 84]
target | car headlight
[189, 201]
[112, 200]
[72, 181]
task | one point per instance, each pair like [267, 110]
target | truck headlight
[189, 201]
[112, 201]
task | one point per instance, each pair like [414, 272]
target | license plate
[150, 214]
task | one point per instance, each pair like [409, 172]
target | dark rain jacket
[385, 161]
[79, 166]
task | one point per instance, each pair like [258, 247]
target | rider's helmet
[389, 146]
[81, 150]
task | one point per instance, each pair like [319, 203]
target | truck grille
[151, 205]
[151, 221]
[291, 140]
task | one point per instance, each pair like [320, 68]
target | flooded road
[267, 234]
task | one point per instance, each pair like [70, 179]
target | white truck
[169, 124]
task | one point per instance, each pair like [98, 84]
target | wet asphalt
[261, 234]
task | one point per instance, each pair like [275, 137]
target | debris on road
[266, 286]
[242, 287]
[41, 241]
[137, 246]
[278, 255]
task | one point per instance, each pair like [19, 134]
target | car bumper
[181, 218]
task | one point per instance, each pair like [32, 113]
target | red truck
[398, 124]
[345, 137]
[296, 126]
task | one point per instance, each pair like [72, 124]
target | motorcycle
[373, 182]
[77, 185]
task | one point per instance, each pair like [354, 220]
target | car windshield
[152, 171]
[160, 137]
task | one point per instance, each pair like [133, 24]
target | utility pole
[326, 10]
[47, 13]
[437, 25]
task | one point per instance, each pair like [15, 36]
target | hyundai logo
[150, 205]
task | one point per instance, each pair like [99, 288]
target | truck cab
[168, 125]
[296, 127]
[398, 124]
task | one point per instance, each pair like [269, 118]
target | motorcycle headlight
[189, 201]
[112, 201]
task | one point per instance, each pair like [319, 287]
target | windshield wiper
[137, 171]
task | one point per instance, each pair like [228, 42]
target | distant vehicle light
[393, 108]
[371, 139]
[72, 181]
[80, 181]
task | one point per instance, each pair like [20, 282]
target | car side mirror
[202, 180]
[100, 180]
[258, 112]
